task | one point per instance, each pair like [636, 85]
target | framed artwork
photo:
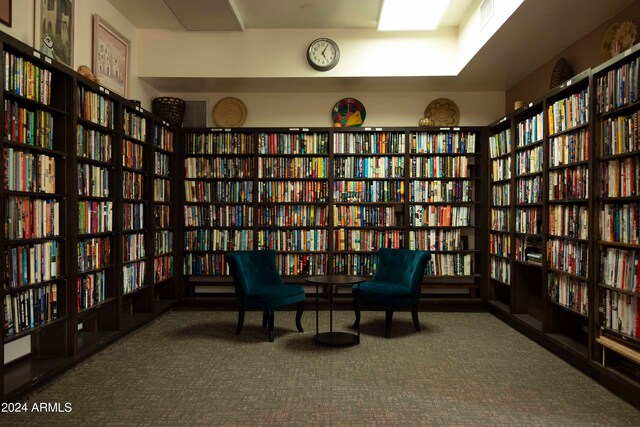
[53, 29]
[110, 57]
[5, 12]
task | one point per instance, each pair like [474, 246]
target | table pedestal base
[337, 339]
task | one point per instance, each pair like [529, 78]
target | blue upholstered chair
[396, 283]
[258, 286]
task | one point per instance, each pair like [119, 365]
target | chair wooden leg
[414, 315]
[240, 320]
[270, 326]
[299, 311]
[265, 318]
[387, 326]
[356, 310]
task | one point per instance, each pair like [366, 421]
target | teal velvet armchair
[396, 283]
[258, 286]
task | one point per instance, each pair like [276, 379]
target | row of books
[442, 191]
[96, 108]
[132, 154]
[29, 264]
[620, 268]
[443, 142]
[569, 292]
[218, 216]
[369, 142]
[438, 240]
[218, 167]
[501, 169]
[501, 194]
[134, 125]
[500, 219]
[24, 78]
[293, 240]
[291, 192]
[440, 167]
[133, 246]
[528, 220]
[28, 127]
[225, 192]
[218, 143]
[440, 216]
[293, 143]
[500, 244]
[500, 144]
[450, 265]
[293, 216]
[24, 171]
[132, 185]
[368, 191]
[94, 253]
[133, 276]
[620, 135]
[162, 216]
[218, 240]
[133, 216]
[620, 223]
[161, 190]
[529, 190]
[528, 248]
[355, 264]
[569, 148]
[199, 264]
[367, 240]
[530, 130]
[31, 308]
[569, 183]
[568, 256]
[621, 177]
[163, 242]
[94, 216]
[93, 144]
[294, 167]
[366, 216]
[162, 268]
[500, 270]
[93, 181]
[162, 165]
[31, 218]
[529, 161]
[618, 87]
[369, 167]
[163, 138]
[301, 264]
[91, 289]
[569, 221]
[620, 312]
[568, 112]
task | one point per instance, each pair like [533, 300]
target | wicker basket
[169, 109]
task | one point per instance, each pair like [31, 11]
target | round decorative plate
[618, 37]
[229, 112]
[443, 112]
[348, 112]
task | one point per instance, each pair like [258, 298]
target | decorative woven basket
[169, 109]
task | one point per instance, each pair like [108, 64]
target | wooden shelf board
[619, 348]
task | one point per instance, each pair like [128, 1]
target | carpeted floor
[189, 368]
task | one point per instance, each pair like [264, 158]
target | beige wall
[581, 55]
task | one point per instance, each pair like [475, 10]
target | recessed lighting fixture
[411, 15]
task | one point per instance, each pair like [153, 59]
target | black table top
[336, 280]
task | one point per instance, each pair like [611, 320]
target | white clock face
[323, 54]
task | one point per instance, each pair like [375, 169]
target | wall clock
[323, 54]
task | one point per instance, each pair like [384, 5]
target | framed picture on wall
[5, 12]
[110, 56]
[53, 29]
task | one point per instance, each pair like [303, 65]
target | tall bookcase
[37, 297]
[615, 304]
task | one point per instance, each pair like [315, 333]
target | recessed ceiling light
[411, 15]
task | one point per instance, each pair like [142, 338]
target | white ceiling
[534, 34]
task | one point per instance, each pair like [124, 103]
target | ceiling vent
[486, 12]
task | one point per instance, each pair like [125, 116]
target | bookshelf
[500, 211]
[616, 273]
[34, 205]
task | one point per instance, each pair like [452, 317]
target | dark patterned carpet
[189, 368]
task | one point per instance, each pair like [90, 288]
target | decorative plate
[618, 37]
[348, 112]
[561, 73]
[229, 112]
[443, 112]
